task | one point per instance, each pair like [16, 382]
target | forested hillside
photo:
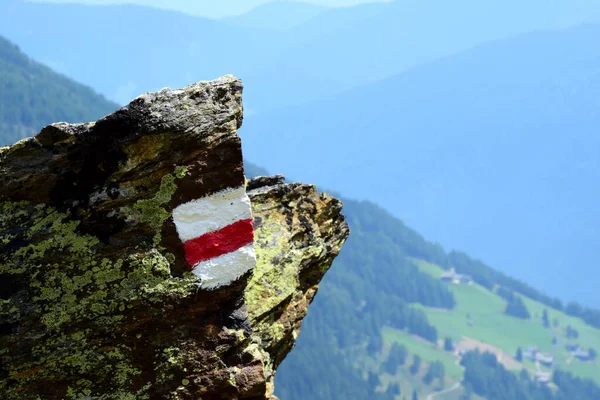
[33, 96]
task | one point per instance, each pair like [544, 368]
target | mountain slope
[491, 151]
[384, 289]
[33, 96]
[479, 317]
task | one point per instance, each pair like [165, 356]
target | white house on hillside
[457, 279]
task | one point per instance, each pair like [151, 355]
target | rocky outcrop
[112, 241]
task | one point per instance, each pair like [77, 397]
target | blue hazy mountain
[277, 15]
[494, 151]
[331, 20]
[124, 50]
[380, 40]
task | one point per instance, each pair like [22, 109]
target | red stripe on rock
[217, 243]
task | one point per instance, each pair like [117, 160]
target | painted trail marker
[218, 236]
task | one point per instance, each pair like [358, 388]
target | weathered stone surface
[298, 234]
[97, 298]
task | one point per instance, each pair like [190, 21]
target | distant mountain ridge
[33, 96]
[120, 62]
[347, 48]
[277, 15]
[334, 51]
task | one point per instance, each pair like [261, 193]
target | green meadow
[479, 315]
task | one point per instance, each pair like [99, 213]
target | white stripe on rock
[223, 270]
[211, 213]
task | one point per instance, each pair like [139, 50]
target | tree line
[33, 96]
[486, 377]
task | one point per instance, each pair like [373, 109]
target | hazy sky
[210, 8]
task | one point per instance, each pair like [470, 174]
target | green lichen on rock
[272, 236]
[152, 211]
[83, 301]
[298, 233]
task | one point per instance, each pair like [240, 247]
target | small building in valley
[453, 277]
